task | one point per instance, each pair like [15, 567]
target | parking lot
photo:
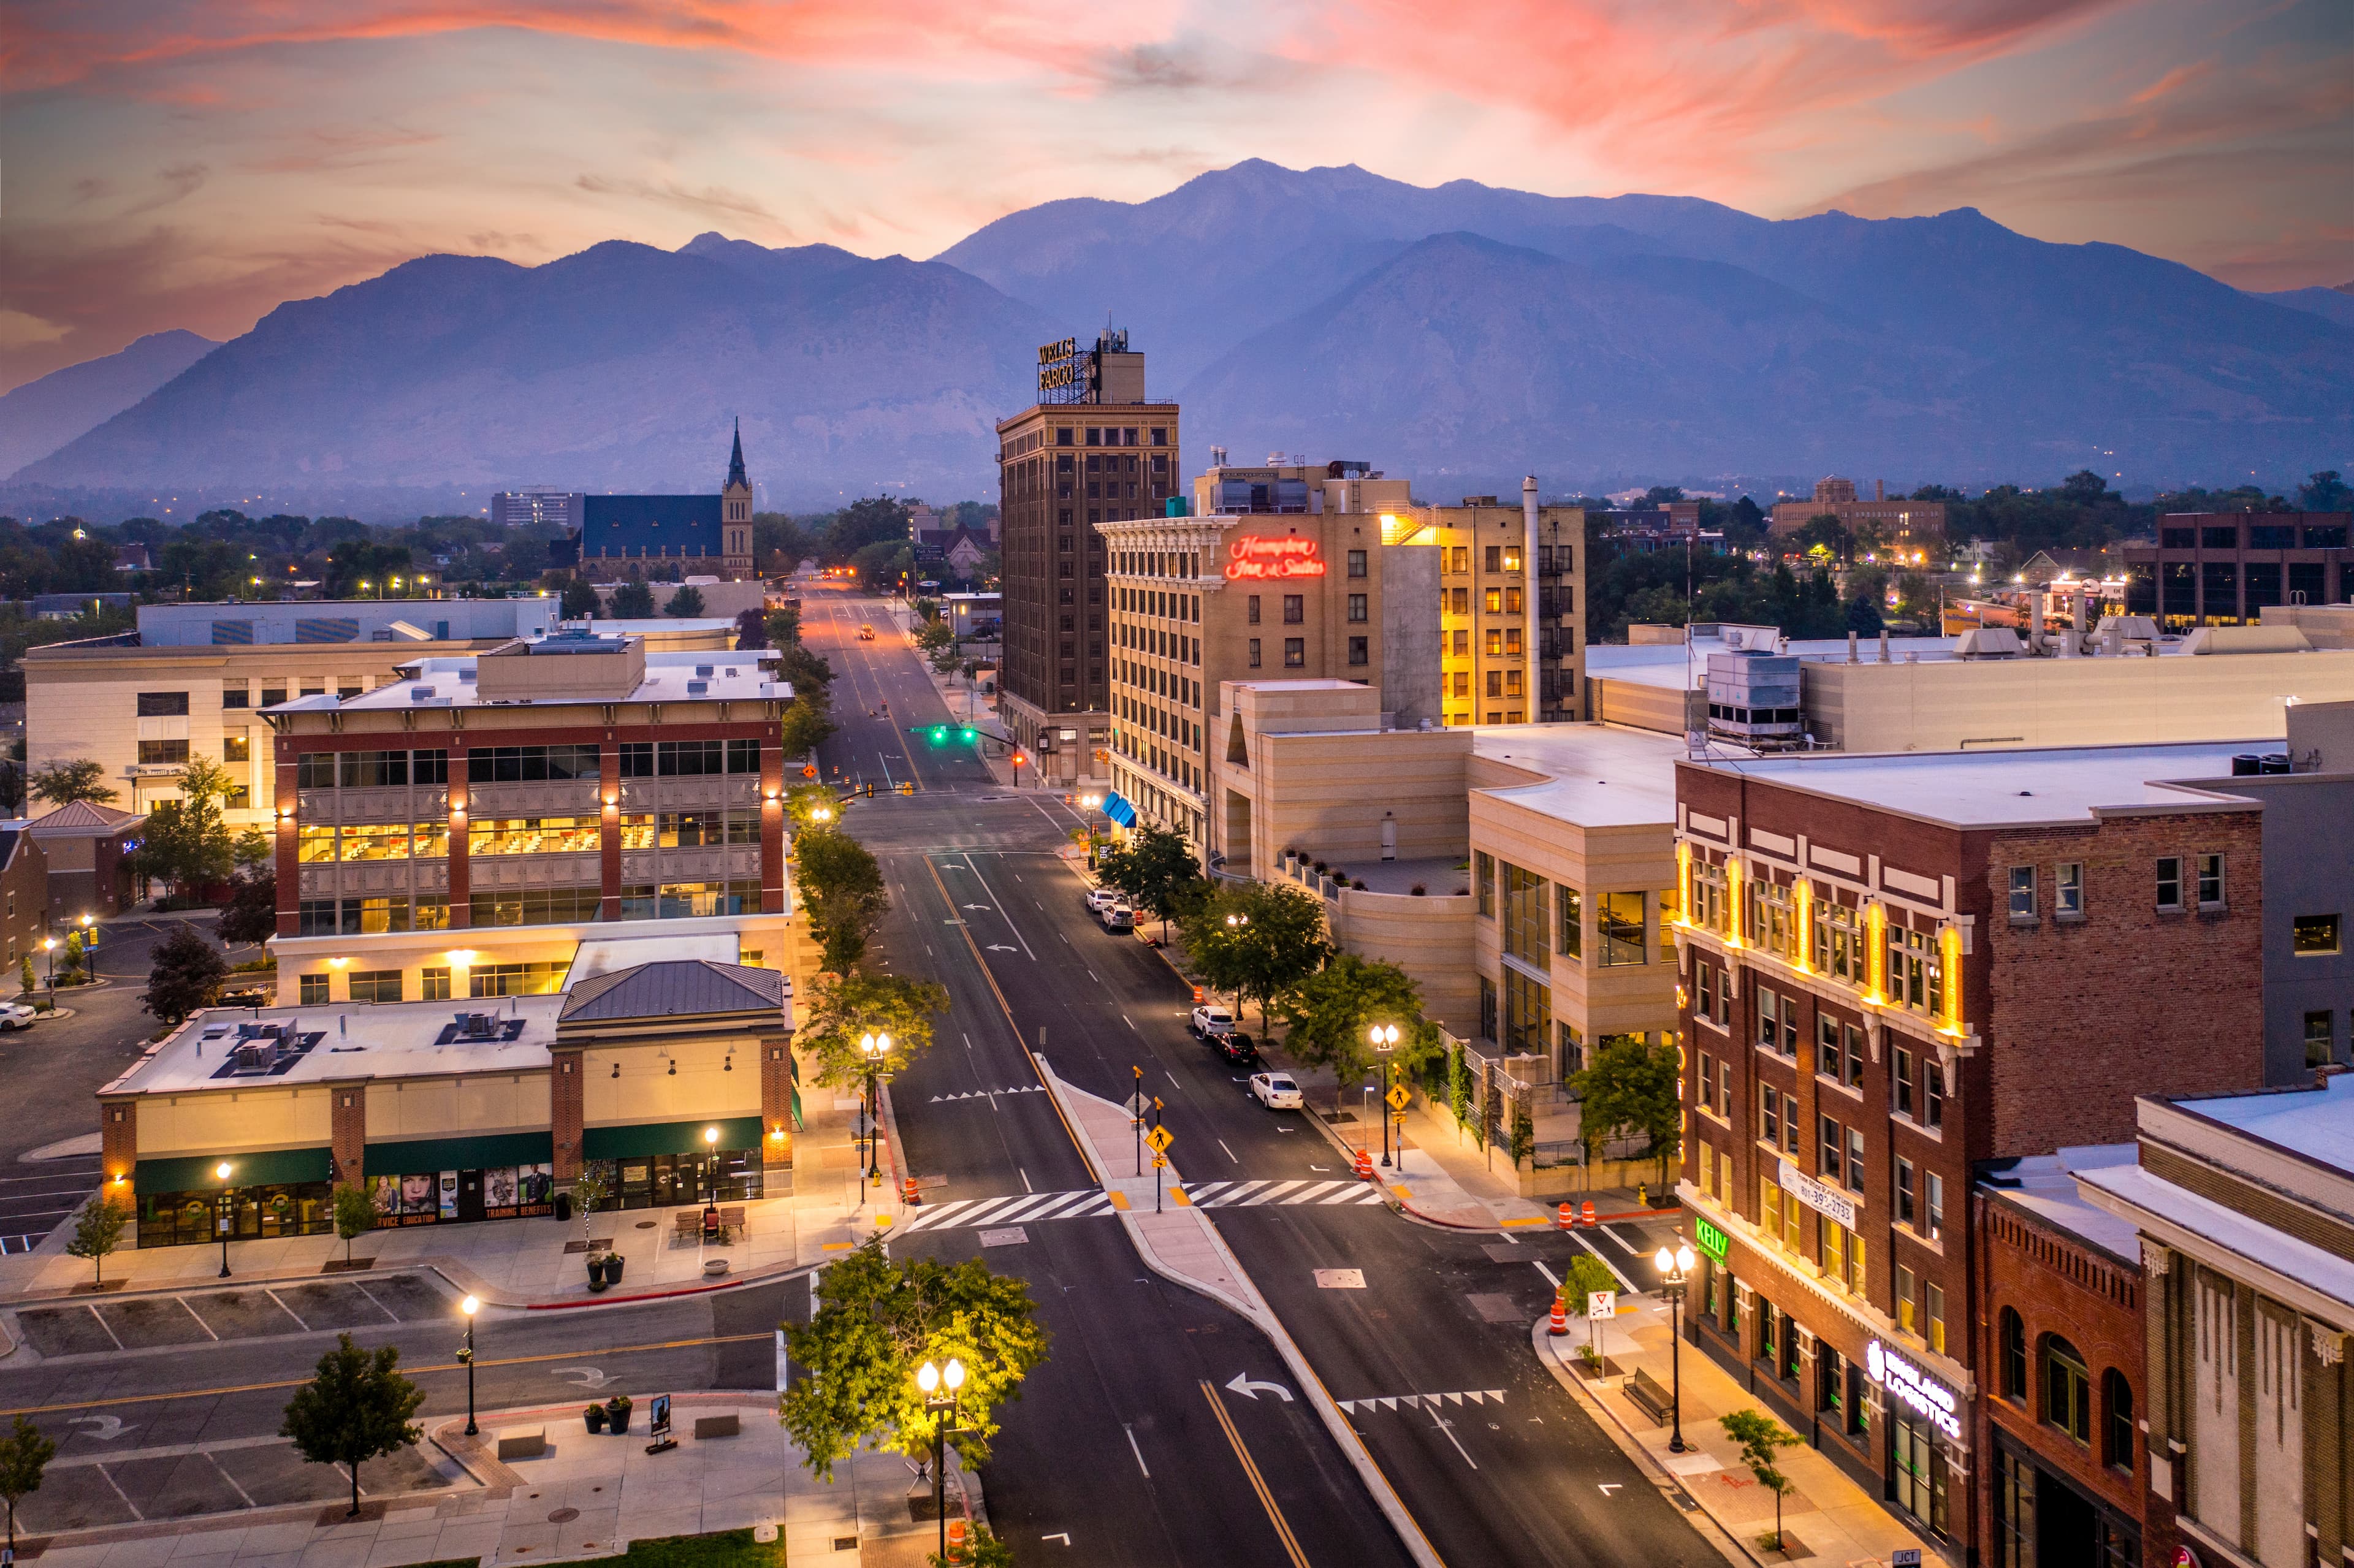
[215, 1316]
[82, 1491]
[36, 1198]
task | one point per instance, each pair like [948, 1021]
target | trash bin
[563, 1207]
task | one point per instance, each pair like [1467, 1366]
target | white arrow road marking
[1064, 1537]
[596, 1377]
[972, 905]
[1249, 1388]
[1606, 1488]
[106, 1429]
[1000, 947]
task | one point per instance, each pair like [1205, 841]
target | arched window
[2013, 1353]
[2067, 1390]
[2116, 1420]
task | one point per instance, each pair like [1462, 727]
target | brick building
[1892, 968]
[2222, 569]
[2058, 1339]
[1911, 528]
[25, 889]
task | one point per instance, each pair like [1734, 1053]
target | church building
[641, 536]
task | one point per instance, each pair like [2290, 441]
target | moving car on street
[1275, 1091]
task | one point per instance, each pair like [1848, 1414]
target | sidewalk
[585, 1497]
[535, 1263]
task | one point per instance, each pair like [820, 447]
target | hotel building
[467, 831]
[1092, 450]
[1892, 967]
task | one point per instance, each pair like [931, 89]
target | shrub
[1417, 890]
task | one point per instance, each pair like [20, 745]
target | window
[2210, 881]
[1357, 610]
[2320, 1046]
[1932, 1305]
[1573, 1050]
[2116, 1421]
[2313, 935]
[1853, 1075]
[1829, 1143]
[1295, 652]
[1855, 1160]
[515, 979]
[1934, 1205]
[1769, 1114]
[1707, 1081]
[1360, 651]
[533, 835]
[163, 704]
[1933, 1074]
[1907, 1290]
[1356, 563]
[1254, 653]
[173, 752]
[1525, 933]
[1904, 1180]
[1665, 910]
[373, 769]
[2068, 890]
[375, 985]
[743, 756]
[2169, 881]
[1251, 610]
[1483, 878]
[1295, 608]
[2023, 893]
[2067, 1390]
[680, 758]
[1839, 941]
[2013, 1356]
[237, 696]
[1569, 922]
[637, 759]
[238, 747]
[1618, 924]
[433, 985]
[273, 696]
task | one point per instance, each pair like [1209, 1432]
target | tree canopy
[633, 601]
[1255, 939]
[687, 604]
[188, 975]
[844, 1008]
[1156, 868]
[356, 1408]
[1332, 1010]
[185, 841]
[77, 778]
[841, 888]
[1630, 1088]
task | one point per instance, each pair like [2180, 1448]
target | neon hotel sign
[1285, 558]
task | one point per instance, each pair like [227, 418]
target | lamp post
[1091, 803]
[1674, 1266]
[711, 1164]
[1235, 923]
[469, 1306]
[874, 1047]
[222, 1219]
[1385, 1039]
[942, 1409]
[49, 947]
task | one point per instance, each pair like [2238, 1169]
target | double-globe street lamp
[1091, 803]
[1235, 923]
[1675, 1266]
[1385, 1039]
[224, 1219]
[941, 1407]
[470, 1306]
[874, 1047]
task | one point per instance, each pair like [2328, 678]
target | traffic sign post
[1136, 1116]
[1397, 1096]
[1161, 1137]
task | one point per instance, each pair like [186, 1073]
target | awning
[254, 1168]
[669, 1137]
[485, 1152]
[1116, 806]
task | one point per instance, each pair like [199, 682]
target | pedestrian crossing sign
[1397, 1096]
[1161, 1137]
[1160, 1162]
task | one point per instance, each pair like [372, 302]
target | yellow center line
[1259, 1482]
[436, 1367]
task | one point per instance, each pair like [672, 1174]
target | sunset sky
[170, 164]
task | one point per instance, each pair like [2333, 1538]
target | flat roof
[1603, 775]
[349, 1039]
[447, 683]
[1664, 663]
[2044, 1185]
[2015, 787]
[2318, 1126]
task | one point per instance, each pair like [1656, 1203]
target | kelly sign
[1914, 1389]
[1284, 558]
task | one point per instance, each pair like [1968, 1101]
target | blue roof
[650, 525]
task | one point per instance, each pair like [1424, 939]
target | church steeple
[735, 461]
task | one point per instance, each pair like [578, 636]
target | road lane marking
[1230, 1153]
[1547, 1273]
[972, 866]
[191, 1311]
[1580, 1239]
[1025, 1181]
[229, 1479]
[1133, 1448]
[120, 1493]
[107, 1326]
[1258, 1482]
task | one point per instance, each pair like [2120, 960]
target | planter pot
[596, 1274]
[617, 1422]
[594, 1417]
[613, 1262]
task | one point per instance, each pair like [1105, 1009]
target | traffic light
[968, 735]
[939, 735]
[907, 786]
[870, 790]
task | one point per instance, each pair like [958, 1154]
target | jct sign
[1285, 558]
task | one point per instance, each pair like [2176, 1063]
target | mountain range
[1461, 330]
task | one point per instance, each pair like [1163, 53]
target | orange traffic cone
[908, 1194]
[1365, 1165]
[1568, 1217]
[1588, 1221]
[1559, 1313]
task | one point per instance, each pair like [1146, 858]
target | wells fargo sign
[1285, 558]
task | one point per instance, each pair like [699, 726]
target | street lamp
[873, 1047]
[469, 1306]
[822, 814]
[1674, 1266]
[49, 946]
[1091, 803]
[222, 1171]
[942, 1408]
[1385, 1039]
[711, 1164]
[1235, 923]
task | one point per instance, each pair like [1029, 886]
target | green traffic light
[939, 735]
[966, 733]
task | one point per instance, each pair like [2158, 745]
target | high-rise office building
[1093, 449]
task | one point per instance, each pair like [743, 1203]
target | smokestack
[1880, 490]
[1851, 648]
[1529, 639]
[2035, 620]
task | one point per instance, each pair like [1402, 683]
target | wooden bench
[1655, 1402]
[725, 1425]
[522, 1442]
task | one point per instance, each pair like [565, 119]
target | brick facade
[118, 1128]
[567, 1096]
[347, 1130]
[777, 1104]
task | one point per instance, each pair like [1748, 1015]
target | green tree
[588, 1194]
[354, 1215]
[25, 976]
[1157, 871]
[97, 1230]
[874, 1325]
[188, 975]
[1825, 534]
[1582, 1276]
[783, 627]
[881, 565]
[1275, 940]
[841, 888]
[871, 520]
[79, 779]
[1332, 1010]
[253, 851]
[25, 1453]
[945, 658]
[357, 561]
[933, 633]
[808, 720]
[633, 601]
[12, 785]
[579, 600]
[251, 913]
[1762, 1438]
[2324, 491]
[185, 841]
[687, 604]
[843, 1008]
[751, 630]
[804, 801]
[355, 1409]
[1630, 1088]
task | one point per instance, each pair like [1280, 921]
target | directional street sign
[1397, 1096]
[1136, 1104]
[1161, 1137]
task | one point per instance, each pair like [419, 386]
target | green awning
[264, 1168]
[669, 1137]
[416, 1156]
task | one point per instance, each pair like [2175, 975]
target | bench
[717, 1425]
[522, 1442]
[1645, 1391]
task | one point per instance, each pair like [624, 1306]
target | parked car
[1275, 1091]
[1212, 1020]
[1116, 917]
[1239, 1049]
[16, 1015]
[1102, 898]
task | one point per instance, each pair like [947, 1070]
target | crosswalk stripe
[1270, 1193]
[1083, 1203]
[1350, 1193]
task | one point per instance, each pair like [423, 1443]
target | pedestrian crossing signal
[906, 788]
[870, 791]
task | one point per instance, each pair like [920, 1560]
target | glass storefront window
[255, 1213]
[677, 1180]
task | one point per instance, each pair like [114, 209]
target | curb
[1352, 1444]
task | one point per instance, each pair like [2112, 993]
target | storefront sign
[1823, 1199]
[1285, 558]
[1712, 1240]
[2186, 1558]
[1914, 1389]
